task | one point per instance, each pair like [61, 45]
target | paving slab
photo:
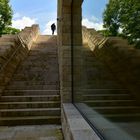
[31, 132]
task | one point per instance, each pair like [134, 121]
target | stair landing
[32, 132]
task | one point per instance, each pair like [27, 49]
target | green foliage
[10, 30]
[125, 15]
[5, 15]
[111, 18]
[104, 32]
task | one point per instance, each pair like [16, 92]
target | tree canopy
[123, 17]
[10, 30]
[5, 15]
[6, 18]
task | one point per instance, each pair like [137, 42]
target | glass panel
[98, 93]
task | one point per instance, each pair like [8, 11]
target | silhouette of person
[53, 28]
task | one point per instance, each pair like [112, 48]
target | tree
[5, 15]
[124, 15]
[10, 30]
[111, 18]
[130, 20]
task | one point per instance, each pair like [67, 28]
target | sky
[44, 13]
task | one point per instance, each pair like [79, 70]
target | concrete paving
[32, 132]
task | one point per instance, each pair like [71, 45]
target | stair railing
[22, 43]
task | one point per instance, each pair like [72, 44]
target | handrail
[22, 41]
[14, 53]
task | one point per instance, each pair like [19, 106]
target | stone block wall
[64, 48]
[122, 59]
[14, 49]
[69, 34]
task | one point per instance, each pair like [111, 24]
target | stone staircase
[32, 96]
[105, 93]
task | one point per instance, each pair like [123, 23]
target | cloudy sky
[44, 13]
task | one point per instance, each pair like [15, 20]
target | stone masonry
[69, 23]
[32, 95]
[13, 49]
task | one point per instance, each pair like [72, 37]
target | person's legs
[52, 32]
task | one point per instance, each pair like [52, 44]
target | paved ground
[33, 132]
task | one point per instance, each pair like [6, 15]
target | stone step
[103, 103]
[24, 105]
[30, 83]
[116, 40]
[117, 109]
[43, 68]
[40, 73]
[36, 77]
[8, 38]
[42, 54]
[45, 56]
[106, 97]
[44, 46]
[43, 38]
[124, 117]
[39, 66]
[32, 87]
[7, 44]
[103, 84]
[39, 63]
[30, 120]
[33, 63]
[22, 75]
[40, 58]
[45, 61]
[29, 112]
[33, 69]
[51, 138]
[30, 92]
[42, 51]
[91, 91]
[30, 98]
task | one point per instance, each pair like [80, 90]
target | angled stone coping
[74, 125]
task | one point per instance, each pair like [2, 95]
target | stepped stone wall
[122, 58]
[13, 49]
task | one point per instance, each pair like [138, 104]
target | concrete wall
[121, 58]
[13, 49]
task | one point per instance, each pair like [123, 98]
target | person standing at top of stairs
[53, 28]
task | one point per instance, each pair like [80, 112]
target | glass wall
[97, 92]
